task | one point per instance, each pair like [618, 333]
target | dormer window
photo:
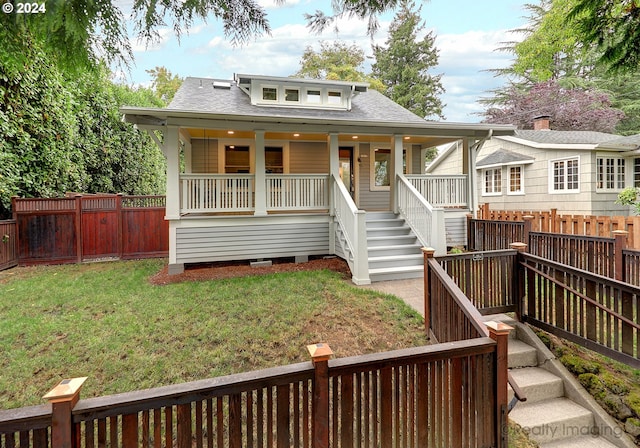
[334, 97]
[314, 97]
[291, 95]
[270, 94]
[299, 93]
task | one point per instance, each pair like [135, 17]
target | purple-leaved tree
[569, 109]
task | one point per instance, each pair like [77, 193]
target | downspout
[472, 190]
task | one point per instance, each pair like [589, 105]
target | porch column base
[176, 268]
[361, 281]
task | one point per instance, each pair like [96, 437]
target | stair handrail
[426, 221]
[352, 223]
[518, 393]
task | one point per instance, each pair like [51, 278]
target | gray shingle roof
[565, 137]
[198, 95]
[631, 141]
[503, 157]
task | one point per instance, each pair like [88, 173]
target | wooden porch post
[320, 354]
[427, 253]
[63, 399]
[171, 150]
[260, 176]
[620, 245]
[518, 279]
[499, 332]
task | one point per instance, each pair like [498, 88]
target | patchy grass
[107, 322]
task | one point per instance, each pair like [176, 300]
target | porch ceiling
[425, 141]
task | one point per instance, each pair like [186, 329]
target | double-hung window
[516, 185]
[636, 172]
[610, 173]
[492, 182]
[565, 175]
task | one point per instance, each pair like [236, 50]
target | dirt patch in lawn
[222, 270]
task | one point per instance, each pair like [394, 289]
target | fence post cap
[520, 247]
[65, 390]
[620, 232]
[428, 251]
[320, 352]
[498, 327]
[528, 217]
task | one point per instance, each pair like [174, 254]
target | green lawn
[107, 322]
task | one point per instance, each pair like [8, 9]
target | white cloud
[165, 35]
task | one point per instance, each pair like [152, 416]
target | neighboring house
[264, 167]
[576, 172]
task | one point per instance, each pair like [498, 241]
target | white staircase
[558, 413]
[393, 249]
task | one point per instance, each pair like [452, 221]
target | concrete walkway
[411, 291]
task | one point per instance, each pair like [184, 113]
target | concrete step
[580, 442]
[552, 420]
[537, 384]
[521, 355]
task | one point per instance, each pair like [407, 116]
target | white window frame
[511, 192]
[268, 86]
[339, 97]
[307, 96]
[565, 162]
[496, 189]
[603, 175]
[293, 89]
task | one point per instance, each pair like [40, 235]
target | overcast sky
[468, 32]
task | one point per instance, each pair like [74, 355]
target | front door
[346, 170]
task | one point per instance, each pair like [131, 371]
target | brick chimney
[541, 123]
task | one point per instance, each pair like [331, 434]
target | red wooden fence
[8, 244]
[89, 227]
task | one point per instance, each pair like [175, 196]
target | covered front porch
[256, 188]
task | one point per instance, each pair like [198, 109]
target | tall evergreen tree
[403, 65]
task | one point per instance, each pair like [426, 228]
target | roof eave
[197, 118]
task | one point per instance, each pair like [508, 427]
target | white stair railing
[353, 227]
[426, 221]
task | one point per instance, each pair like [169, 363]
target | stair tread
[396, 269]
[396, 257]
[521, 354]
[580, 442]
[548, 412]
[528, 376]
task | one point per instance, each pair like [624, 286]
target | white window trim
[284, 95]
[551, 182]
[484, 183]
[270, 86]
[521, 191]
[624, 173]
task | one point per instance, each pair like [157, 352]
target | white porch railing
[354, 231]
[297, 192]
[202, 193]
[426, 221]
[442, 191]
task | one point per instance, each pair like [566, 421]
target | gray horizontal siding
[249, 242]
[456, 228]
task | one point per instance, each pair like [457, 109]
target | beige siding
[452, 163]
[537, 194]
[308, 158]
[204, 155]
